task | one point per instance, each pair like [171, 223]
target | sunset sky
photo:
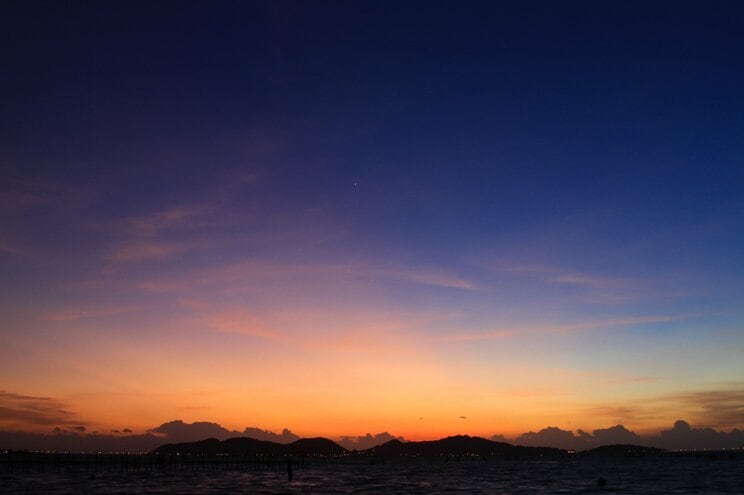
[347, 217]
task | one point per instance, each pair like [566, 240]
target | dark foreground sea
[625, 475]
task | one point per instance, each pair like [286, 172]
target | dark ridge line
[459, 445]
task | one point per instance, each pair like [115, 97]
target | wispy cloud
[560, 276]
[27, 203]
[381, 334]
[632, 379]
[138, 250]
[23, 411]
[526, 330]
[589, 281]
[614, 322]
[240, 321]
[11, 248]
[317, 329]
[582, 287]
[637, 413]
[716, 408]
[20, 193]
[250, 273]
[79, 313]
[183, 217]
[426, 276]
[209, 223]
[466, 336]
[159, 235]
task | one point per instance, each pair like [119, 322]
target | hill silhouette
[682, 436]
[460, 445]
[315, 446]
[251, 446]
[623, 450]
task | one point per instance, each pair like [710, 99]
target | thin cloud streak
[151, 237]
[714, 407]
[12, 249]
[318, 330]
[590, 281]
[133, 251]
[184, 217]
[22, 194]
[430, 277]
[717, 408]
[557, 275]
[19, 411]
[566, 329]
[225, 277]
[74, 314]
[242, 322]
[587, 288]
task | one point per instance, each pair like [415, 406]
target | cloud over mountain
[552, 436]
[17, 410]
[71, 437]
[74, 437]
[286, 435]
[367, 441]
[617, 434]
[177, 431]
[681, 436]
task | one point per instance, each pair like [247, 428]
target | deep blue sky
[505, 113]
[541, 166]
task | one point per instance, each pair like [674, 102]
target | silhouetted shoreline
[453, 446]
[251, 455]
[319, 447]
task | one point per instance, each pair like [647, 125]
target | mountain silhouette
[251, 446]
[623, 450]
[315, 446]
[458, 445]
[247, 445]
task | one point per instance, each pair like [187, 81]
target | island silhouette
[457, 446]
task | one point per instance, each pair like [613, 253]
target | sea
[661, 475]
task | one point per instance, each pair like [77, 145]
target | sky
[419, 218]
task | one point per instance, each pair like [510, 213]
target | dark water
[641, 476]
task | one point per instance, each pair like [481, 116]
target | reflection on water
[641, 476]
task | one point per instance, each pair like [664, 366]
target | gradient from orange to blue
[350, 217]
